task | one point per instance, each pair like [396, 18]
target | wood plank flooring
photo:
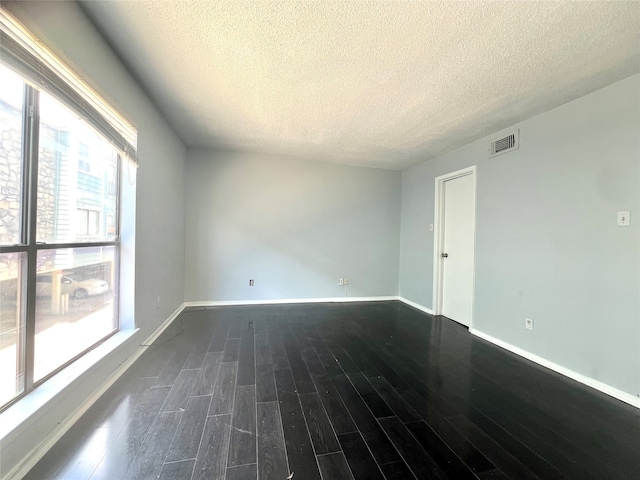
[341, 391]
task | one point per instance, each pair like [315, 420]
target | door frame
[438, 237]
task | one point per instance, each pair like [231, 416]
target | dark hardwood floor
[341, 391]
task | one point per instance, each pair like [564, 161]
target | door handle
[445, 255]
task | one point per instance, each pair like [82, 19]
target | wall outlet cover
[624, 219]
[528, 323]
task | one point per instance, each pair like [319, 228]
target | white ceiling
[384, 84]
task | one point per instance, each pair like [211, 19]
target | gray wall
[294, 226]
[160, 199]
[547, 244]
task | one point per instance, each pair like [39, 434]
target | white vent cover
[505, 144]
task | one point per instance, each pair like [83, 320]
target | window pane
[77, 169]
[11, 97]
[75, 304]
[12, 322]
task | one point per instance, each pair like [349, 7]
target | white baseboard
[224, 303]
[415, 305]
[588, 381]
[163, 327]
[578, 377]
[30, 460]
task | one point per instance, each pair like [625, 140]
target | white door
[457, 247]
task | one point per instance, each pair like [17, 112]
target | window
[11, 114]
[61, 161]
[83, 160]
[89, 222]
[111, 224]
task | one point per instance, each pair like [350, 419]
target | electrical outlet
[528, 323]
[624, 219]
[346, 281]
[251, 283]
[158, 302]
[341, 281]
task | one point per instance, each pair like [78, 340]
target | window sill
[25, 408]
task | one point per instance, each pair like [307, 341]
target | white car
[71, 286]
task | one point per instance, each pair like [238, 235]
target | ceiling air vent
[505, 144]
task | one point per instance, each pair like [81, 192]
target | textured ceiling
[383, 84]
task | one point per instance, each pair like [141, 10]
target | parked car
[71, 286]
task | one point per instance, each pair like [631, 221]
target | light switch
[624, 219]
